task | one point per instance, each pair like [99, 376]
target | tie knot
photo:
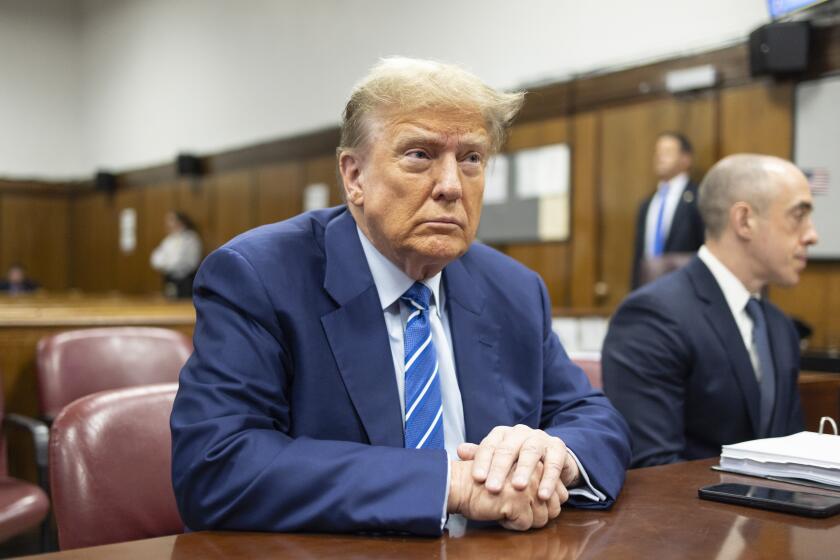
[663, 187]
[418, 295]
[754, 309]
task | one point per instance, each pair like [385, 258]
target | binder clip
[830, 421]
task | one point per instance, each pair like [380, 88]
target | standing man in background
[668, 221]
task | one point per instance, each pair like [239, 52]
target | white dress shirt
[391, 283]
[178, 255]
[737, 296]
[676, 186]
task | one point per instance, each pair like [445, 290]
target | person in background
[699, 358]
[668, 221]
[178, 256]
[16, 281]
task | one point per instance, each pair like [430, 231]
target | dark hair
[184, 220]
[685, 143]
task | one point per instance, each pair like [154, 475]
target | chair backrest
[591, 366]
[110, 467]
[76, 363]
[4, 467]
[654, 267]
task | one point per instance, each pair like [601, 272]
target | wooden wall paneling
[131, 267]
[585, 230]
[550, 260]
[195, 198]
[94, 242]
[628, 134]
[234, 204]
[815, 300]
[279, 192]
[757, 118]
[158, 200]
[34, 231]
[323, 169]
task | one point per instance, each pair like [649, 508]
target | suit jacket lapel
[681, 217]
[358, 337]
[475, 344]
[720, 318]
[779, 336]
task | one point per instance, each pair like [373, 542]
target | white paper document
[806, 455]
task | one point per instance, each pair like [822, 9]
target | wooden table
[658, 515]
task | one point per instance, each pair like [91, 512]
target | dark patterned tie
[767, 381]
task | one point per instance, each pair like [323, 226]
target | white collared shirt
[676, 186]
[391, 283]
[737, 296]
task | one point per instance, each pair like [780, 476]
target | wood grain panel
[195, 198]
[323, 169]
[815, 300]
[279, 192]
[538, 133]
[34, 231]
[234, 205]
[757, 118]
[628, 134]
[585, 226]
[158, 200]
[131, 266]
[94, 242]
[551, 261]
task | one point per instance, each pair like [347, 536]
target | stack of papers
[803, 457]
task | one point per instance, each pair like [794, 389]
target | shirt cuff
[585, 489]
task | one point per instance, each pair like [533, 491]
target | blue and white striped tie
[423, 407]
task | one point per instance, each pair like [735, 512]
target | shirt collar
[390, 281]
[677, 183]
[734, 291]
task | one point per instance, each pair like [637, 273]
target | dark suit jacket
[675, 365]
[686, 233]
[288, 417]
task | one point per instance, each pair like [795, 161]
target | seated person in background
[668, 221]
[16, 281]
[346, 359]
[699, 358]
[178, 255]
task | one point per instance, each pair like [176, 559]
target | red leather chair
[591, 366]
[654, 267]
[110, 462]
[76, 363]
[22, 505]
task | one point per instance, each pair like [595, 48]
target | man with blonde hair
[371, 368]
[699, 358]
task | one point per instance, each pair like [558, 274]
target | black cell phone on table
[788, 501]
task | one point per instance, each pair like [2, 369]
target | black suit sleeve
[645, 364]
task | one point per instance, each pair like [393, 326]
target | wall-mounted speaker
[188, 165]
[780, 48]
[105, 181]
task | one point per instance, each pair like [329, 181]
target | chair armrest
[40, 435]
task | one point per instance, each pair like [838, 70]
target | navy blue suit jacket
[685, 236]
[287, 416]
[675, 365]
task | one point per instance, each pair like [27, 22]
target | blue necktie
[423, 407]
[767, 383]
[659, 232]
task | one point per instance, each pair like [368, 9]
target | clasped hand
[518, 476]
